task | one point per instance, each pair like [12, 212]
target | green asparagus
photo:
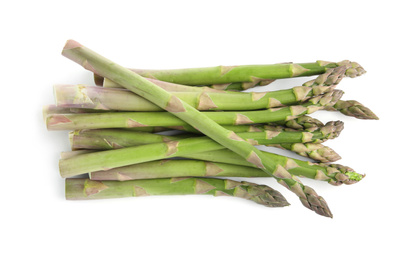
[85, 189]
[166, 119]
[246, 76]
[90, 97]
[128, 79]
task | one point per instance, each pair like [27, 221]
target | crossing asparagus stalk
[223, 137]
[86, 189]
[167, 119]
[353, 108]
[245, 76]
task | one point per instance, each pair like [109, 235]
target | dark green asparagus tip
[316, 203]
[265, 195]
[353, 68]
[345, 175]
[355, 109]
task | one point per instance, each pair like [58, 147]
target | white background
[372, 219]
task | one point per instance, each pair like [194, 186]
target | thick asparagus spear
[85, 189]
[80, 96]
[128, 79]
[166, 119]
[248, 75]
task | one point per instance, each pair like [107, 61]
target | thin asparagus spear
[85, 189]
[103, 139]
[248, 75]
[128, 79]
[166, 119]
[353, 108]
[80, 96]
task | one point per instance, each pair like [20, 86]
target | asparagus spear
[102, 139]
[128, 79]
[80, 96]
[334, 174]
[247, 75]
[166, 119]
[85, 189]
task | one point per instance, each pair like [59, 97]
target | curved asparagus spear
[353, 108]
[128, 79]
[166, 119]
[85, 189]
[247, 76]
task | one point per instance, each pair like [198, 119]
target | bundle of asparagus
[118, 130]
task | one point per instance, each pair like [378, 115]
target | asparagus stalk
[80, 96]
[103, 139]
[223, 137]
[247, 75]
[167, 119]
[85, 189]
